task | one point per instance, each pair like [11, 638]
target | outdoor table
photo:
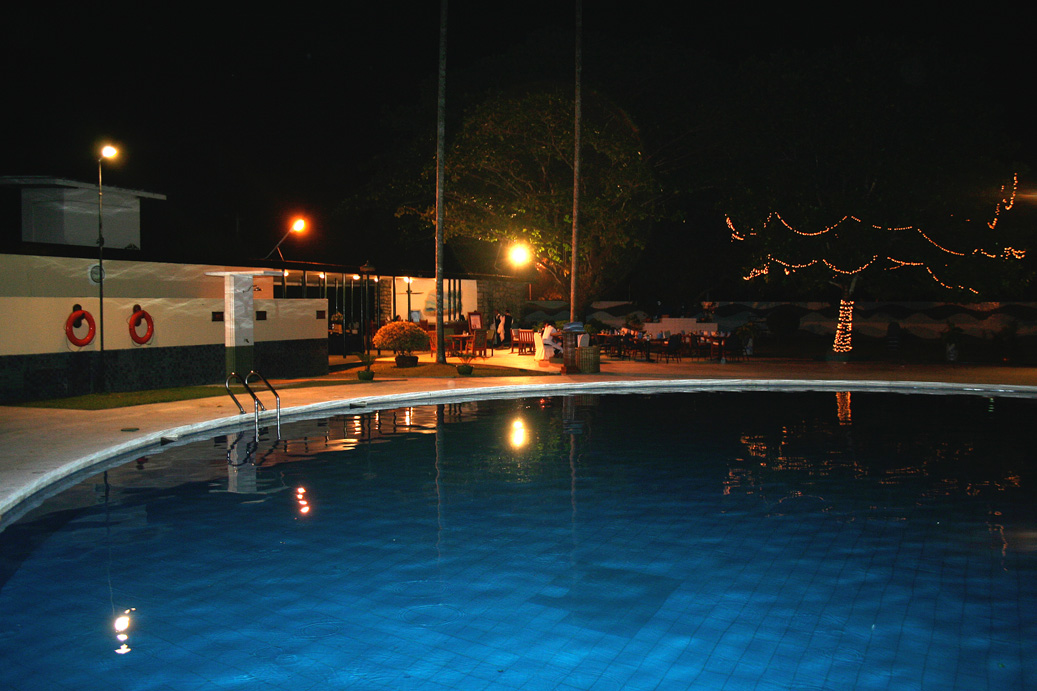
[717, 344]
[459, 343]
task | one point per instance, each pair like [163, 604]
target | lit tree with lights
[872, 167]
[839, 254]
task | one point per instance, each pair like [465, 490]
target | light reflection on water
[815, 530]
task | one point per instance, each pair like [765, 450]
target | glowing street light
[519, 255]
[298, 225]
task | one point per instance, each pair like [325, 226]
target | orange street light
[298, 225]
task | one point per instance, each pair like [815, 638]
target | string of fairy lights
[1005, 202]
[844, 329]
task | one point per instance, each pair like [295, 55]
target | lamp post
[298, 225]
[366, 270]
[352, 300]
[107, 151]
[408, 280]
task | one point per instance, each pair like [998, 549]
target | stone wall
[496, 295]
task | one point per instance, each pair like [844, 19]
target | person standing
[498, 319]
[506, 328]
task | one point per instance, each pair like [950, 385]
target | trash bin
[570, 362]
[589, 359]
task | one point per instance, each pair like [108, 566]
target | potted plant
[465, 368]
[403, 338]
[366, 359]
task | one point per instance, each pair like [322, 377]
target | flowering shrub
[401, 337]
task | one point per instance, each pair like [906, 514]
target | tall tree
[510, 176]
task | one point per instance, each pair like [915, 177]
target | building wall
[38, 294]
[393, 297]
[499, 295]
[68, 216]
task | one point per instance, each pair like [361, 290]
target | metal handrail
[277, 397]
[226, 384]
[257, 404]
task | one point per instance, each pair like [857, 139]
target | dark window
[322, 314]
[260, 315]
[217, 316]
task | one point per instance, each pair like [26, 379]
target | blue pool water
[705, 541]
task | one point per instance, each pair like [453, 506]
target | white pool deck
[41, 447]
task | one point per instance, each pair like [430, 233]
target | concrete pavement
[42, 450]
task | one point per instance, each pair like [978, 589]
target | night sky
[243, 118]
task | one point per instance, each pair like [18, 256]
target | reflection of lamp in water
[122, 622]
[519, 436]
[300, 496]
[122, 625]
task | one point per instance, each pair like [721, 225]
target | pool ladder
[258, 404]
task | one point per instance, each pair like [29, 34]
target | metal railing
[257, 404]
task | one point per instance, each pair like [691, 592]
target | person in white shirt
[552, 342]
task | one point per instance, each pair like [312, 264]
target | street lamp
[352, 300]
[366, 270]
[107, 151]
[408, 280]
[298, 225]
[520, 255]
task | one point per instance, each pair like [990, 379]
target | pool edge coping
[29, 495]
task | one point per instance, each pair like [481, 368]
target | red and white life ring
[70, 328]
[135, 322]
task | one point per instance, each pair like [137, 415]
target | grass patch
[104, 401]
[383, 369]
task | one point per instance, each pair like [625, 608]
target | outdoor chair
[737, 348]
[479, 345]
[673, 348]
[697, 347]
[522, 341]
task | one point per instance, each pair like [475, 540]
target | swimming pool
[715, 541]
